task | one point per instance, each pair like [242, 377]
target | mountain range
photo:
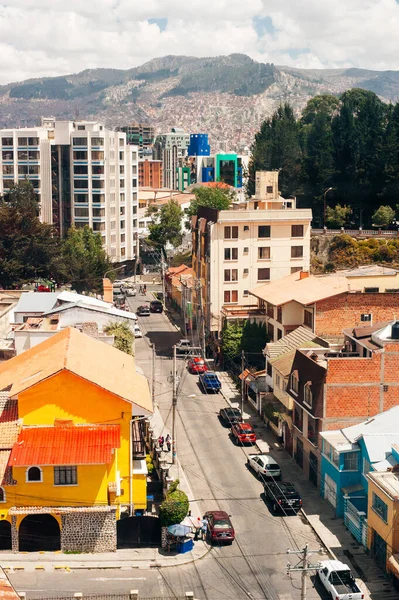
[225, 96]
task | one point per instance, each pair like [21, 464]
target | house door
[380, 551]
[313, 468]
[330, 490]
[299, 453]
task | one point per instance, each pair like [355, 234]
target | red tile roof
[72, 445]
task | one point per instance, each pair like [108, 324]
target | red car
[243, 433]
[220, 528]
[197, 365]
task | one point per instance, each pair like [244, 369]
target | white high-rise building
[84, 174]
[170, 148]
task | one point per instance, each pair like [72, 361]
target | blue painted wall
[341, 478]
[199, 145]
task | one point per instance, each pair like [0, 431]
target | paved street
[255, 565]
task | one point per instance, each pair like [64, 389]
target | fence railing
[386, 233]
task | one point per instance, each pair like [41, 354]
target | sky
[56, 37]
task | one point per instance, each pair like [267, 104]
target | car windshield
[210, 376]
[222, 524]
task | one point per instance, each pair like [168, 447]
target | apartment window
[2, 494]
[81, 128]
[80, 170]
[351, 460]
[33, 155]
[97, 169]
[98, 226]
[122, 224]
[121, 142]
[7, 141]
[279, 334]
[123, 251]
[295, 269]
[231, 274]
[98, 198]
[80, 155]
[365, 317]
[231, 254]
[122, 197]
[8, 169]
[81, 184]
[123, 237]
[65, 475]
[121, 183]
[230, 296]
[7, 155]
[34, 474]
[307, 394]
[298, 417]
[264, 252]
[313, 430]
[245, 293]
[122, 211]
[270, 310]
[97, 184]
[246, 250]
[295, 382]
[80, 198]
[121, 170]
[270, 331]
[134, 183]
[296, 230]
[97, 155]
[79, 141]
[296, 251]
[380, 507]
[22, 141]
[279, 314]
[97, 141]
[263, 274]
[308, 319]
[82, 211]
[263, 231]
[98, 212]
[121, 156]
[269, 189]
[33, 141]
[231, 233]
[22, 155]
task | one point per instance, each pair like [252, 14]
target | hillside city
[199, 349]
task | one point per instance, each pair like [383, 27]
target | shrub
[149, 463]
[175, 506]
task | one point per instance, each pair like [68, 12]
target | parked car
[130, 291]
[229, 416]
[220, 528]
[156, 306]
[264, 465]
[242, 433]
[197, 365]
[338, 580]
[143, 311]
[137, 332]
[185, 347]
[210, 382]
[283, 496]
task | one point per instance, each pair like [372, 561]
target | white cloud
[54, 37]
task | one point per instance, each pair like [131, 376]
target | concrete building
[150, 173]
[83, 173]
[261, 240]
[140, 135]
[170, 148]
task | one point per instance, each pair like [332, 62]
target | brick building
[150, 173]
[336, 389]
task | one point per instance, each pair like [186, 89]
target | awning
[393, 564]
[351, 489]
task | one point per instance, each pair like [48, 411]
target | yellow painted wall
[388, 531]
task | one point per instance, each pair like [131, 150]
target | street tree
[337, 216]
[29, 249]
[85, 260]
[166, 225]
[219, 198]
[175, 506]
[383, 216]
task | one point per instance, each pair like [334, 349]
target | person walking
[141, 289]
[161, 441]
[204, 528]
[144, 289]
[168, 442]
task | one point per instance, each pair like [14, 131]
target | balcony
[139, 448]
[239, 311]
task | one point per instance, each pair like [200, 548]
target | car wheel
[235, 441]
[274, 507]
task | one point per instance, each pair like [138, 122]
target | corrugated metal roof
[291, 341]
[36, 302]
[71, 445]
[107, 310]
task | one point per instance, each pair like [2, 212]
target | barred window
[65, 475]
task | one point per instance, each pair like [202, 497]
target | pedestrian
[161, 441]
[204, 528]
[145, 289]
[198, 525]
[140, 289]
[168, 441]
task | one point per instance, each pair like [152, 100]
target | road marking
[118, 579]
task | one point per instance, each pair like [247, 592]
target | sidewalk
[331, 530]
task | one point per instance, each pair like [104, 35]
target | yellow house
[383, 519]
[79, 460]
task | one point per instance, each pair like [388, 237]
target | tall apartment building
[256, 241]
[140, 135]
[170, 148]
[84, 174]
[150, 173]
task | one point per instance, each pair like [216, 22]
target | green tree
[383, 216]
[211, 197]
[166, 225]
[337, 216]
[231, 338]
[324, 104]
[123, 336]
[85, 260]
[29, 249]
[175, 506]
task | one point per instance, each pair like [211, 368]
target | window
[34, 474]
[122, 183]
[296, 251]
[2, 495]
[279, 314]
[98, 212]
[263, 274]
[7, 141]
[246, 250]
[81, 128]
[97, 141]
[263, 231]
[121, 210]
[121, 169]
[296, 230]
[121, 156]
[8, 169]
[231, 274]
[98, 198]
[96, 184]
[270, 332]
[122, 224]
[80, 155]
[7, 155]
[245, 293]
[308, 319]
[295, 382]
[298, 417]
[79, 141]
[380, 507]
[264, 252]
[33, 141]
[279, 334]
[65, 475]
[365, 317]
[82, 211]
[80, 170]
[22, 155]
[97, 155]
[97, 169]
[269, 189]
[81, 183]
[351, 461]
[307, 394]
[230, 296]
[231, 254]
[231, 233]
[22, 141]
[371, 290]
[295, 269]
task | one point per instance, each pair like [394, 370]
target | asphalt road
[254, 566]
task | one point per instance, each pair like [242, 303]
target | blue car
[210, 382]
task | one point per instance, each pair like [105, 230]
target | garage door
[330, 490]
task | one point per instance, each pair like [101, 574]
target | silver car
[264, 466]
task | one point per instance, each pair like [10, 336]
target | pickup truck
[338, 580]
[210, 382]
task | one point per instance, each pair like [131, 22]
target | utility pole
[242, 381]
[174, 402]
[304, 555]
[153, 375]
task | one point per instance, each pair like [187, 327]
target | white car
[264, 465]
[137, 332]
[338, 580]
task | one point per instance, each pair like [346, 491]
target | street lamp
[110, 270]
[325, 205]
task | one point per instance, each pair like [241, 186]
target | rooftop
[369, 271]
[283, 362]
[298, 338]
[39, 324]
[388, 481]
[36, 302]
[109, 309]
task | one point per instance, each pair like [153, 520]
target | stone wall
[89, 532]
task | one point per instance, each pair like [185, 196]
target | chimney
[303, 275]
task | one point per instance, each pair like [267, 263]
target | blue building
[348, 455]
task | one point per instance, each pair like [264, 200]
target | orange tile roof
[90, 359]
[72, 445]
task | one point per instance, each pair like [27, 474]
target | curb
[326, 546]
